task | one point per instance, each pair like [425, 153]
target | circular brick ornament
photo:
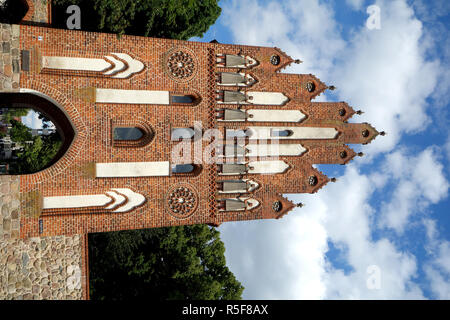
[181, 64]
[310, 86]
[182, 200]
[312, 180]
[277, 206]
[275, 60]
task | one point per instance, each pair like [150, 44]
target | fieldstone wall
[9, 205]
[42, 268]
[41, 11]
[9, 57]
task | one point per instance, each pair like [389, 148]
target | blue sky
[382, 230]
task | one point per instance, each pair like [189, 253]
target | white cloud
[348, 223]
[438, 271]
[439, 284]
[311, 35]
[447, 149]
[443, 260]
[355, 4]
[384, 72]
[420, 181]
[285, 259]
[31, 120]
[267, 254]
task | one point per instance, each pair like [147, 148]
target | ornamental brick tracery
[181, 64]
[182, 200]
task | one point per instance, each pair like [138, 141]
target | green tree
[12, 113]
[36, 152]
[175, 19]
[37, 155]
[19, 132]
[185, 262]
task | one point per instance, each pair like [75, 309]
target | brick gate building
[160, 132]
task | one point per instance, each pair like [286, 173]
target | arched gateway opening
[27, 149]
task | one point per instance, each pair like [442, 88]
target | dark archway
[64, 128]
[13, 11]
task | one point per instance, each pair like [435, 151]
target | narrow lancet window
[182, 168]
[182, 99]
[127, 134]
[281, 133]
[182, 134]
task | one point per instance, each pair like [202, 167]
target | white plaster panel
[118, 200]
[134, 199]
[257, 115]
[132, 96]
[132, 169]
[97, 200]
[81, 64]
[118, 66]
[263, 167]
[274, 149]
[297, 133]
[133, 65]
[267, 98]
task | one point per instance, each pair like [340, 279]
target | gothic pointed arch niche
[46, 106]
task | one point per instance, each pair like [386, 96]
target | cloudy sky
[382, 231]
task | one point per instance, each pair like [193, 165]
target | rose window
[182, 201]
[180, 65]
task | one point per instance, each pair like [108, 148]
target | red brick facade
[93, 123]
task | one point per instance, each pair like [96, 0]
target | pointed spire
[359, 112]
[382, 133]
[298, 61]
[300, 205]
[333, 179]
[332, 88]
[360, 154]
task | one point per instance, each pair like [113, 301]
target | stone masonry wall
[48, 268]
[9, 205]
[9, 57]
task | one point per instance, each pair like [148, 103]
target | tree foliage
[37, 155]
[35, 152]
[12, 113]
[175, 19]
[19, 132]
[185, 262]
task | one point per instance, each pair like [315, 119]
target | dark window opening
[127, 133]
[277, 206]
[182, 133]
[182, 168]
[310, 86]
[281, 133]
[275, 60]
[183, 99]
